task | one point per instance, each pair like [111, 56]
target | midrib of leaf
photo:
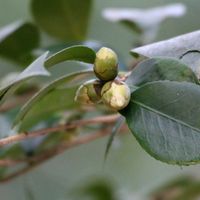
[164, 115]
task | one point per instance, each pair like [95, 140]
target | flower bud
[116, 94]
[106, 64]
[89, 93]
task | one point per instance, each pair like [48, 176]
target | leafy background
[128, 166]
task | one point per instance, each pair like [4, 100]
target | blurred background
[129, 171]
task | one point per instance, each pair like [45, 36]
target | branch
[79, 123]
[37, 160]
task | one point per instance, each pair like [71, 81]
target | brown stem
[23, 136]
[37, 160]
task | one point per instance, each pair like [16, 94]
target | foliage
[163, 112]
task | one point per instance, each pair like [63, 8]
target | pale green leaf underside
[174, 47]
[57, 96]
[167, 126]
[74, 53]
[36, 69]
[144, 21]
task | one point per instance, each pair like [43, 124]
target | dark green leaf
[17, 40]
[175, 48]
[164, 117]
[66, 20]
[156, 69]
[34, 70]
[76, 53]
[57, 96]
[145, 21]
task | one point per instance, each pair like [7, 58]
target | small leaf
[156, 69]
[17, 40]
[93, 44]
[175, 48]
[114, 132]
[164, 118]
[34, 70]
[66, 20]
[144, 21]
[75, 53]
[57, 96]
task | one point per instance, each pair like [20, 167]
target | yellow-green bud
[116, 94]
[106, 64]
[89, 93]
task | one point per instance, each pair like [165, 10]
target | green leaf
[156, 69]
[34, 70]
[164, 118]
[97, 189]
[75, 53]
[57, 96]
[5, 129]
[17, 40]
[145, 21]
[175, 48]
[66, 20]
[114, 132]
[14, 151]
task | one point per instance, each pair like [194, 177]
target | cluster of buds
[107, 88]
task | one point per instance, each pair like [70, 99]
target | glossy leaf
[17, 40]
[66, 20]
[164, 118]
[34, 70]
[75, 53]
[145, 21]
[57, 96]
[175, 48]
[156, 69]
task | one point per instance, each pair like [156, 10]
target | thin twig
[79, 123]
[37, 160]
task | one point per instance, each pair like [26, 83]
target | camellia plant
[158, 98]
